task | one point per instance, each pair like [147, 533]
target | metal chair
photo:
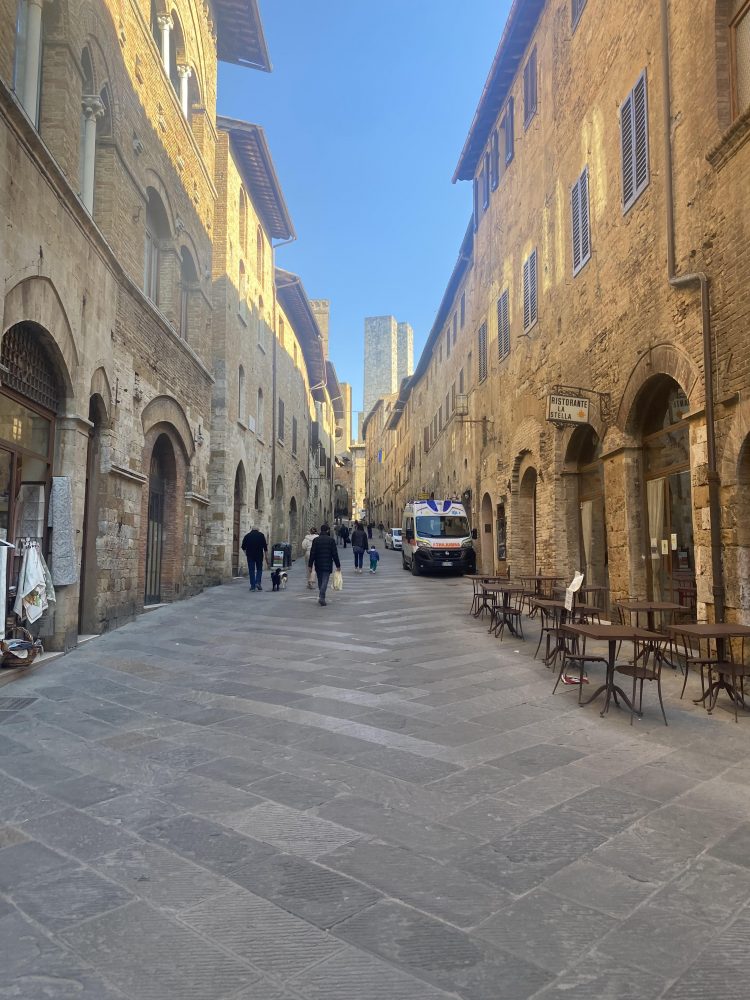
[731, 673]
[641, 671]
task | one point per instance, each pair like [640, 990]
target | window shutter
[485, 176]
[461, 381]
[533, 283]
[529, 88]
[576, 11]
[483, 352]
[509, 131]
[583, 193]
[476, 204]
[427, 439]
[455, 328]
[448, 343]
[526, 296]
[494, 160]
[503, 326]
[626, 138]
[575, 207]
[640, 134]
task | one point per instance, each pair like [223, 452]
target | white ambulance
[435, 535]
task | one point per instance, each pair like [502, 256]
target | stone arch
[732, 446]
[260, 494]
[664, 359]
[161, 568]
[100, 388]
[734, 473]
[153, 180]
[164, 410]
[293, 522]
[239, 502]
[35, 300]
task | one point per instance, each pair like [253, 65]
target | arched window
[259, 254]
[259, 415]
[243, 221]
[188, 281]
[27, 68]
[157, 229]
[93, 111]
[177, 58]
[260, 494]
[241, 395]
[242, 291]
[155, 29]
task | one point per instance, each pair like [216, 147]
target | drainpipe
[699, 278]
[273, 416]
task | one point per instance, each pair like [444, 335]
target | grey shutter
[483, 352]
[533, 287]
[494, 160]
[529, 88]
[503, 326]
[476, 204]
[640, 135]
[577, 10]
[526, 295]
[575, 209]
[583, 194]
[509, 131]
[485, 175]
[626, 142]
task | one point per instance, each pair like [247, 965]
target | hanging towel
[63, 559]
[31, 593]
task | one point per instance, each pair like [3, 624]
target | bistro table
[479, 599]
[542, 584]
[719, 633]
[554, 611]
[650, 609]
[501, 612]
[611, 634]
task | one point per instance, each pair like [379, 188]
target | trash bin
[283, 552]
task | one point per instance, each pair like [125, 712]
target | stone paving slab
[370, 801]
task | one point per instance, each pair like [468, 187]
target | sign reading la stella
[567, 409]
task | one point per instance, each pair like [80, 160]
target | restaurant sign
[567, 410]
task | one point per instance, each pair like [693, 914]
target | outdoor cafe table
[556, 609]
[539, 580]
[611, 634]
[500, 611]
[650, 608]
[479, 599]
[717, 632]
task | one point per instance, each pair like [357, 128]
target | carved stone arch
[732, 447]
[664, 359]
[196, 53]
[526, 439]
[100, 387]
[153, 180]
[99, 37]
[187, 242]
[166, 410]
[35, 300]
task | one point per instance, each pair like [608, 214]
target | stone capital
[92, 106]
[184, 71]
[165, 21]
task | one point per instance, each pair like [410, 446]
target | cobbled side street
[245, 796]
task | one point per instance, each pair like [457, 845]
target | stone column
[166, 24]
[30, 96]
[93, 109]
[184, 73]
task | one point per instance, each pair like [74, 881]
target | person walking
[374, 557]
[307, 542]
[255, 547]
[324, 555]
[344, 534]
[370, 526]
[360, 545]
[381, 529]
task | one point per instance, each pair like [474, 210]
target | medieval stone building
[606, 264]
[148, 360]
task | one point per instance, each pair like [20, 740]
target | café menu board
[567, 409]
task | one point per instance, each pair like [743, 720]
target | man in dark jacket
[344, 534]
[255, 547]
[324, 555]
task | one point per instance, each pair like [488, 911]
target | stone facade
[123, 323]
[624, 495]
[404, 352]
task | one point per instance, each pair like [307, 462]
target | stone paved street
[248, 797]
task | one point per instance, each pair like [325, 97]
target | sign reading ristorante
[567, 409]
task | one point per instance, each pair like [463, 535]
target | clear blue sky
[366, 112]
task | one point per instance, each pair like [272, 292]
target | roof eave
[226, 17]
[296, 305]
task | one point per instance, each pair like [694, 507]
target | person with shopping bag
[307, 542]
[324, 555]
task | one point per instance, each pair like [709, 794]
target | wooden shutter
[508, 129]
[529, 88]
[485, 178]
[575, 211]
[634, 142]
[476, 204]
[494, 161]
[483, 352]
[583, 194]
[529, 291]
[503, 326]
[576, 11]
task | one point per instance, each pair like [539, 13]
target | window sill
[731, 141]
[528, 329]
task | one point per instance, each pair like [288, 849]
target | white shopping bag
[338, 580]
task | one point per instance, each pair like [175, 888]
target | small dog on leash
[279, 579]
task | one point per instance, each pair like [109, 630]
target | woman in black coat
[360, 545]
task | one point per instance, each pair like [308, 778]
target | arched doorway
[525, 538]
[586, 525]
[293, 525]
[260, 495]
[88, 619]
[662, 406]
[239, 503]
[279, 511]
[488, 552]
[161, 483]
[30, 396]
[742, 520]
